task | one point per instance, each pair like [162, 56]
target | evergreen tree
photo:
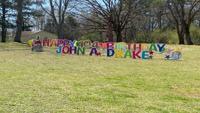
[5, 5]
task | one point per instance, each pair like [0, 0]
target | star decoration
[151, 52]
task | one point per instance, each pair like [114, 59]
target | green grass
[47, 83]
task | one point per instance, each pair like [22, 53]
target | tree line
[122, 19]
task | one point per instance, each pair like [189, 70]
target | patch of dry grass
[45, 82]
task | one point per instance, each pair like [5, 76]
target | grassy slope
[44, 82]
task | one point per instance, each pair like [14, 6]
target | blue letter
[110, 52]
[145, 55]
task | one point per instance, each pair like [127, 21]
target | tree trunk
[109, 32]
[60, 32]
[119, 36]
[160, 21]
[101, 36]
[181, 38]
[3, 33]
[199, 23]
[180, 34]
[188, 36]
[19, 21]
[110, 36]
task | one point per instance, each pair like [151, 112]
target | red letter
[136, 54]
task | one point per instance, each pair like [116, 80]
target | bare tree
[159, 11]
[112, 15]
[183, 13]
[57, 11]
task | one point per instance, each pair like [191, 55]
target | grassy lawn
[47, 83]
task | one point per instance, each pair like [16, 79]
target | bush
[168, 36]
[93, 37]
[143, 38]
[195, 34]
[157, 36]
[171, 37]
